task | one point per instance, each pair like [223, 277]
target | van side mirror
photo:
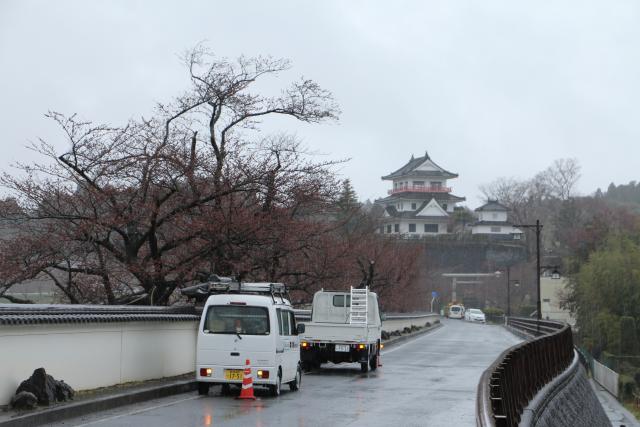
[383, 316]
[300, 328]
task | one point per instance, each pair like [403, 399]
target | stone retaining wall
[568, 401]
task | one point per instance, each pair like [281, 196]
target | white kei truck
[345, 327]
[246, 321]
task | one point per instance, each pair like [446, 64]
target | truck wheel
[295, 384]
[203, 388]
[364, 367]
[373, 362]
[277, 388]
[225, 390]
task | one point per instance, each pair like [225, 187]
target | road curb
[88, 406]
[403, 338]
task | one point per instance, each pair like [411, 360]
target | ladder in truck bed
[359, 306]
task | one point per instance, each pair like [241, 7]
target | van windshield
[237, 319]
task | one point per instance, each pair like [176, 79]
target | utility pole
[538, 302]
[508, 291]
[538, 227]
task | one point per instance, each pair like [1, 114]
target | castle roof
[492, 206]
[421, 167]
[429, 209]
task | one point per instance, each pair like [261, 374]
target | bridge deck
[429, 381]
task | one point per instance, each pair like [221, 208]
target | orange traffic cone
[247, 383]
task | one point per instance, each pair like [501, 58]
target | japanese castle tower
[420, 201]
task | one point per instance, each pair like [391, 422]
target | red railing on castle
[420, 189]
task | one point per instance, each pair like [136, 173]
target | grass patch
[631, 407]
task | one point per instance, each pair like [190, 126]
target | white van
[247, 321]
[456, 312]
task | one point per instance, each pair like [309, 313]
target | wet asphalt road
[429, 381]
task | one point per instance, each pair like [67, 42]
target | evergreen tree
[348, 199]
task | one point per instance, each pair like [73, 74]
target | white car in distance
[475, 315]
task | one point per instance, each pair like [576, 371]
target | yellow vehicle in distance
[455, 311]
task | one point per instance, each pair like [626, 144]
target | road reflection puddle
[236, 409]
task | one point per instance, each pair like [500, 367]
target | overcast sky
[490, 88]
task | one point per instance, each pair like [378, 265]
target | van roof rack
[226, 285]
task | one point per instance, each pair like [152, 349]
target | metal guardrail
[508, 385]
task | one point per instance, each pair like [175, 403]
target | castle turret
[420, 201]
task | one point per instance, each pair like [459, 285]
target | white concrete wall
[551, 294]
[404, 226]
[88, 356]
[486, 229]
[492, 216]
[607, 378]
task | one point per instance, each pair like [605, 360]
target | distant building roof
[409, 169]
[412, 214]
[492, 206]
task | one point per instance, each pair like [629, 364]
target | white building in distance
[493, 220]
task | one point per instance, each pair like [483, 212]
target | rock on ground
[46, 389]
[24, 400]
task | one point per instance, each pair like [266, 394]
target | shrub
[629, 339]
[627, 386]
[493, 312]
[525, 310]
[636, 378]
[427, 324]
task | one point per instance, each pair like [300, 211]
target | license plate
[342, 347]
[233, 374]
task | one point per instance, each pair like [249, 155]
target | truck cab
[251, 322]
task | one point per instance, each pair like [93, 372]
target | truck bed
[341, 333]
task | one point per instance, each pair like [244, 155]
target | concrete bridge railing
[538, 382]
[391, 322]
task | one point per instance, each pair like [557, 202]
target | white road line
[138, 411]
[412, 341]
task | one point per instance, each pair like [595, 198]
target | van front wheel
[203, 388]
